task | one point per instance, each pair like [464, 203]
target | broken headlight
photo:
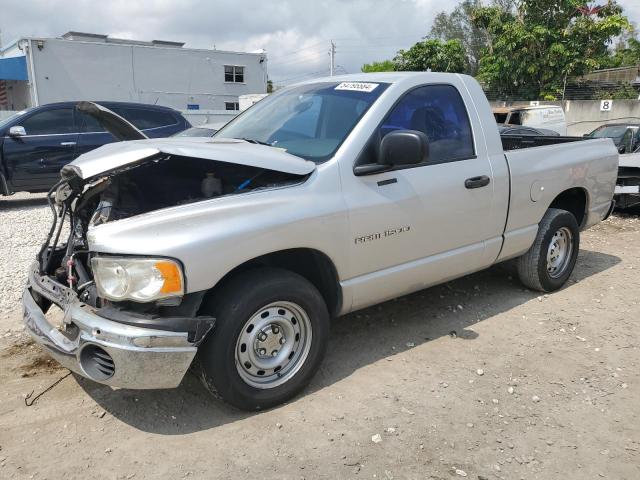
[137, 279]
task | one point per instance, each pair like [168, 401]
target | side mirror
[17, 131]
[404, 147]
[398, 148]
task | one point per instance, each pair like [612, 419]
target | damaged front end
[145, 335]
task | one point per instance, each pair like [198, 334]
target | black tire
[233, 306]
[532, 266]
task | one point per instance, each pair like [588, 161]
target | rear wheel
[551, 259]
[271, 333]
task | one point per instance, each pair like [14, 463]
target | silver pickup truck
[232, 253]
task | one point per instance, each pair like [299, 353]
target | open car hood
[111, 122]
[113, 157]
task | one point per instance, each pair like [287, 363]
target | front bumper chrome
[136, 357]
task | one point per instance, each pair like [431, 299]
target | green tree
[626, 52]
[384, 66]
[433, 54]
[458, 25]
[538, 44]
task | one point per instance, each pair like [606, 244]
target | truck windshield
[309, 121]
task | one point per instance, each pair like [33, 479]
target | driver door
[421, 224]
[34, 160]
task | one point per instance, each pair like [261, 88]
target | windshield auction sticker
[358, 86]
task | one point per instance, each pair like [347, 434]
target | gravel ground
[477, 378]
[24, 219]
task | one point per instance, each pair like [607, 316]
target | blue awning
[13, 68]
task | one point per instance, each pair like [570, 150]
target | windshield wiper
[253, 140]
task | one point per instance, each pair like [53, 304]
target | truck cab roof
[388, 77]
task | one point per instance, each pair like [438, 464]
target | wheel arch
[574, 200]
[312, 264]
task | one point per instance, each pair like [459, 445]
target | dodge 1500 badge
[230, 254]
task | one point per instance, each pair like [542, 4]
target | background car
[204, 130]
[626, 136]
[36, 143]
[505, 129]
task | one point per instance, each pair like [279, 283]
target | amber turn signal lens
[172, 277]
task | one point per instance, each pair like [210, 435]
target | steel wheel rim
[559, 252]
[273, 345]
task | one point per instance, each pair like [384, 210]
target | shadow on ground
[357, 340]
[8, 204]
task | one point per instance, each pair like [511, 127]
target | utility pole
[332, 58]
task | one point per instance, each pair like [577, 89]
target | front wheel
[550, 260]
[271, 333]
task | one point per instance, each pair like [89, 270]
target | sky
[295, 34]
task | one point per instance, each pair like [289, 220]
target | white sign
[358, 86]
[534, 103]
[606, 105]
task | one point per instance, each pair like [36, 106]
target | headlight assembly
[137, 279]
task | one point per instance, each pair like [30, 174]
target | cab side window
[439, 112]
[50, 122]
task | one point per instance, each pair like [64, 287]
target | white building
[86, 66]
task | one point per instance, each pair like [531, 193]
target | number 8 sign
[606, 105]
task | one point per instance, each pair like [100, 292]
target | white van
[550, 117]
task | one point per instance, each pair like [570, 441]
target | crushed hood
[114, 156]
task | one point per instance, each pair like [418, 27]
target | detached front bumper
[102, 350]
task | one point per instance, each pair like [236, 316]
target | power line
[293, 59]
[385, 37]
[310, 47]
[300, 77]
[314, 58]
[347, 39]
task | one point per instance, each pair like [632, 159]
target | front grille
[96, 362]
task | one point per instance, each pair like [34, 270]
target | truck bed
[537, 174]
[516, 142]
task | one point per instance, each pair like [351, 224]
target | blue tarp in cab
[13, 68]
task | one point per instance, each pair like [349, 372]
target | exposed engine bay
[158, 182]
[169, 181]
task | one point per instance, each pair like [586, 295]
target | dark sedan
[625, 136]
[36, 143]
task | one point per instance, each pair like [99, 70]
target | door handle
[67, 144]
[477, 182]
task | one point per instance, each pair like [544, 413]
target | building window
[233, 74]
[231, 106]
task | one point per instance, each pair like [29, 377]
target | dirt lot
[477, 378]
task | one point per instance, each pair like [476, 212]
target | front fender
[213, 237]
